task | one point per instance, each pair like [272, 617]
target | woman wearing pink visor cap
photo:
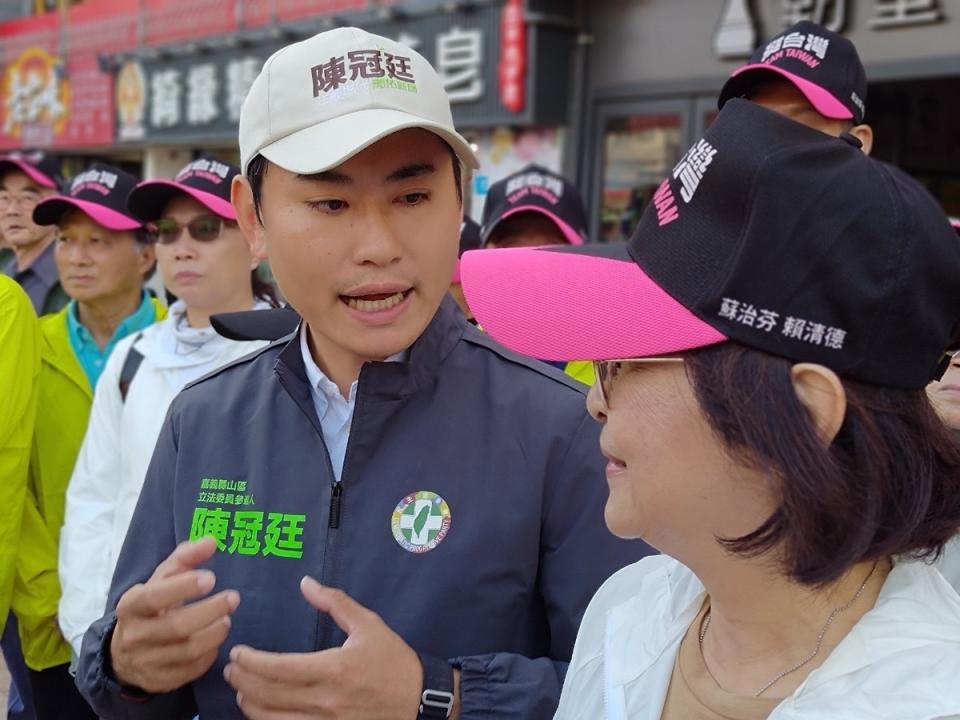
[762, 345]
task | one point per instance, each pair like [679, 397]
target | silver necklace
[816, 650]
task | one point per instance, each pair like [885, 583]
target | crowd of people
[375, 489]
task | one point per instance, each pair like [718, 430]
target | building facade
[655, 68]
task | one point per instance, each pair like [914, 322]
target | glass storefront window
[638, 152]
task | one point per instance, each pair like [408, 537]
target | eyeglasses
[25, 201]
[205, 228]
[946, 360]
[607, 371]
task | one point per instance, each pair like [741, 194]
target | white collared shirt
[334, 411]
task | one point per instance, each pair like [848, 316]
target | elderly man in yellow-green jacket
[103, 256]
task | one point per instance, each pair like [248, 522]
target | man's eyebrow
[329, 176]
[411, 171]
[404, 173]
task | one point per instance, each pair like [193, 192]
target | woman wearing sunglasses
[945, 396]
[205, 261]
[782, 305]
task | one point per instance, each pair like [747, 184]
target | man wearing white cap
[400, 517]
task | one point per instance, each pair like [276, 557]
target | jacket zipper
[336, 499]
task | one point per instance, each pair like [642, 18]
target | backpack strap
[131, 364]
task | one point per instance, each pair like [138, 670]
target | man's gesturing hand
[374, 676]
[160, 643]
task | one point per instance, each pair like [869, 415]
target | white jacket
[901, 661]
[116, 451]
[949, 563]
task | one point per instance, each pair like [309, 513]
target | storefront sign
[481, 55]
[44, 102]
[513, 56]
[735, 35]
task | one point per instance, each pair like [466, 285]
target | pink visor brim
[30, 171]
[212, 202]
[51, 210]
[583, 304]
[824, 103]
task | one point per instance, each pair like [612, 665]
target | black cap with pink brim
[767, 233]
[821, 64]
[534, 189]
[40, 167]
[100, 191]
[206, 179]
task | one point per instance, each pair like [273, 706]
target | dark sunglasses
[205, 228]
[607, 371]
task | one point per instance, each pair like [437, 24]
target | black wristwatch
[436, 699]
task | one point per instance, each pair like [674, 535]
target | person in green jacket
[19, 368]
[103, 256]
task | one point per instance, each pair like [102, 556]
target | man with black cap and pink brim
[205, 261]
[26, 179]
[532, 207]
[762, 347]
[103, 256]
[536, 207]
[812, 75]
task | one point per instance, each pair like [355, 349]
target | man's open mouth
[376, 302]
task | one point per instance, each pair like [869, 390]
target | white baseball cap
[319, 102]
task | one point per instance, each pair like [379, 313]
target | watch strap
[436, 697]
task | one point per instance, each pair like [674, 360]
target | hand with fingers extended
[160, 642]
[375, 675]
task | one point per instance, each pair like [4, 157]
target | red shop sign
[512, 70]
[47, 103]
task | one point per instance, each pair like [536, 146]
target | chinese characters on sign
[35, 97]
[184, 96]
[738, 19]
[512, 71]
[202, 87]
[241, 73]
[165, 90]
[904, 13]
[796, 328]
[832, 14]
[480, 56]
[459, 63]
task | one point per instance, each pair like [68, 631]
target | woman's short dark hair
[263, 290]
[257, 169]
[887, 486]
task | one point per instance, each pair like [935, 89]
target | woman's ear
[821, 393]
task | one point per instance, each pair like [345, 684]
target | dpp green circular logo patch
[420, 521]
